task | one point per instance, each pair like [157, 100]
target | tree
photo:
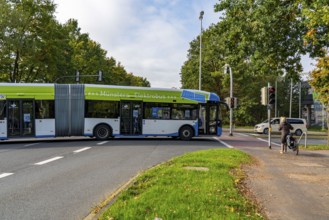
[320, 82]
[316, 20]
[23, 25]
[35, 47]
[260, 40]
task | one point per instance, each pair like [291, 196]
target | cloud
[149, 38]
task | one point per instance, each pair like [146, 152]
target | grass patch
[173, 191]
[316, 128]
[314, 147]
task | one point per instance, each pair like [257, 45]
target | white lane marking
[242, 134]
[225, 144]
[267, 141]
[2, 175]
[48, 161]
[82, 149]
[28, 145]
[104, 142]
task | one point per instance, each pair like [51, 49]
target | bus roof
[46, 91]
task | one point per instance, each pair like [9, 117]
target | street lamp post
[200, 70]
[226, 67]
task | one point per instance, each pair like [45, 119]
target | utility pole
[276, 95]
[290, 107]
[269, 116]
[226, 69]
[200, 65]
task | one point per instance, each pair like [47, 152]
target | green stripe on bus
[16, 91]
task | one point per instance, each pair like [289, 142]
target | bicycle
[291, 143]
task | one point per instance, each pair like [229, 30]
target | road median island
[200, 185]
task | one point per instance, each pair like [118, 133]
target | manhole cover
[197, 168]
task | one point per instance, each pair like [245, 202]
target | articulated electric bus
[104, 111]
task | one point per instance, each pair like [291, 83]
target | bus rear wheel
[186, 133]
[102, 132]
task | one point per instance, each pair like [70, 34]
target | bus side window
[157, 111]
[44, 109]
[101, 109]
[184, 111]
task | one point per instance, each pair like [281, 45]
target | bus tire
[186, 133]
[102, 132]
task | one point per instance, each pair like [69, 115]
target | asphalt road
[66, 179]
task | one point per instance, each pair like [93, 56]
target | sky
[150, 38]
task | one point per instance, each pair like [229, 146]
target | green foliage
[199, 185]
[315, 147]
[320, 83]
[320, 80]
[34, 47]
[262, 41]
[316, 15]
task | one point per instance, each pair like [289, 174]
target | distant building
[313, 110]
[320, 114]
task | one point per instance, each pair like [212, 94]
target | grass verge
[314, 147]
[198, 185]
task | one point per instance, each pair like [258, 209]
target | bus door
[209, 122]
[131, 117]
[3, 119]
[20, 117]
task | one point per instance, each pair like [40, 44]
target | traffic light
[232, 103]
[263, 93]
[271, 95]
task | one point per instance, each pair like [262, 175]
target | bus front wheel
[102, 132]
[186, 133]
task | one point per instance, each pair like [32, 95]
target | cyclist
[285, 128]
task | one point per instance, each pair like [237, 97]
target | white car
[299, 125]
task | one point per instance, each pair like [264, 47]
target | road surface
[66, 179]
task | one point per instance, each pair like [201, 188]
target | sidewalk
[287, 186]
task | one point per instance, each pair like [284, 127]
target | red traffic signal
[271, 97]
[232, 103]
